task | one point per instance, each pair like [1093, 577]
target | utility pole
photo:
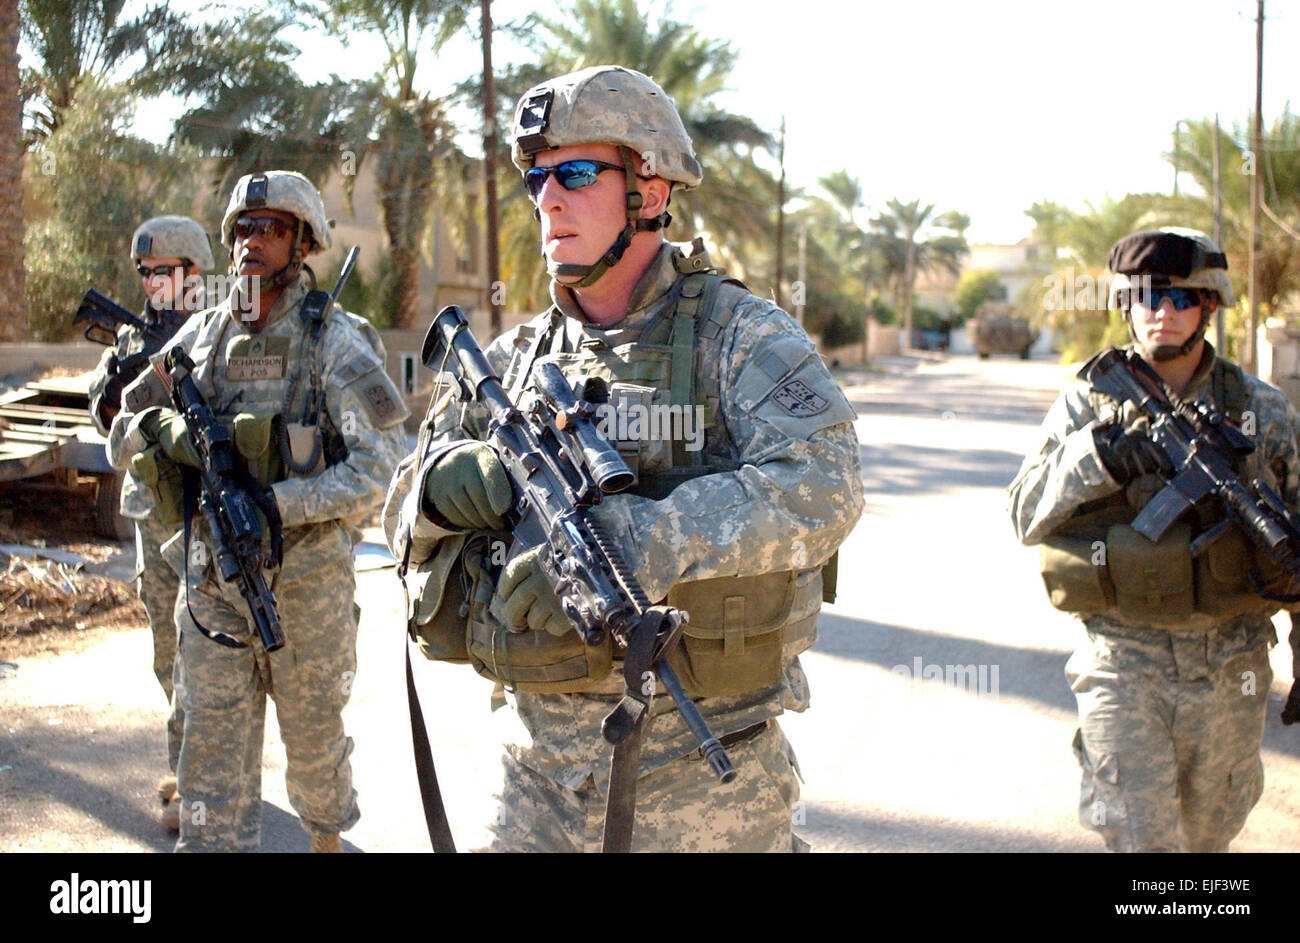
[1252, 322]
[1218, 231]
[780, 220]
[490, 173]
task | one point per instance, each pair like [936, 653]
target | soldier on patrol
[735, 530]
[302, 386]
[1172, 682]
[169, 252]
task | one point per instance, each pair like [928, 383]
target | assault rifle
[1201, 446]
[102, 317]
[228, 498]
[560, 467]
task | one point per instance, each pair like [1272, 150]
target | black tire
[983, 355]
[109, 521]
[1024, 354]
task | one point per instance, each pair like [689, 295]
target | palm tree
[1278, 258]
[403, 130]
[13, 291]
[902, 225]
[76, 40]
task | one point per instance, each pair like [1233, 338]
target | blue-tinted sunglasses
[1182, 298]
[572, 174]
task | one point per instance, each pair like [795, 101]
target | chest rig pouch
[1096, 564]
[663, 418]
[310, 443]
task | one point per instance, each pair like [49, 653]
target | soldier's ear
[654, 195]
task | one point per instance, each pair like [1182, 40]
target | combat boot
[326, 844]
[167, 787]
[171, 814]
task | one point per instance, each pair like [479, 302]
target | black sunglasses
[147, 272]
[572, 174]
[265, 227]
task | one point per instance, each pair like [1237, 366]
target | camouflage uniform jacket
[239, 371]
[1067, 472]
[797, 492]
[137, 502]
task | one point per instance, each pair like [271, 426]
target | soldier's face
[1164, 325]
[579, 226]
[163, 289]
[261, 252]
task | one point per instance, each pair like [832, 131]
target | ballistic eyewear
[1181, 298]
[163, 270]
[572, 174]
[264, 227]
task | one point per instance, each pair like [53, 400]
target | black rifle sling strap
[435, 813]
[620, 805]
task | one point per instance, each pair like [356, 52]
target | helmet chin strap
[590, 274]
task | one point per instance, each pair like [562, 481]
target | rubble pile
[38, 594]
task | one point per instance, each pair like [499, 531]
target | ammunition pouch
[254, 439]
[537, 662]
[163, 479]
[742, 629]
[1110, 570]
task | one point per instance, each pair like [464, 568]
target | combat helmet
[287, 191]
[1170, 257]
[608, 105]
[172, 237]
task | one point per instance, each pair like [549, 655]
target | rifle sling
[435, 813]
[191, 492]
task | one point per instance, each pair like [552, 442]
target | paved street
[931, 582]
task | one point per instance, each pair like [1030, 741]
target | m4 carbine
[229, 498]
[560, 466]
[1201, 446]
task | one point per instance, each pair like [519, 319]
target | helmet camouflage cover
[172, 237]
[284, 190]
[1171, 257]
[606, 105]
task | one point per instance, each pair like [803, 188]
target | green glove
[468, 488]
[528, 600]
[163, 479]
[167, 428]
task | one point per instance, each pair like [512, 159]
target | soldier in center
[735, 528]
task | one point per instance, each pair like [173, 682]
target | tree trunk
[13, 288]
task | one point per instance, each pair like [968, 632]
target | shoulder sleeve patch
[799, 399]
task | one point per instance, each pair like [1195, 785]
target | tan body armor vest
[1097, 565]
[742, 630]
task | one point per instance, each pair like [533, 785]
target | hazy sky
[983, 107]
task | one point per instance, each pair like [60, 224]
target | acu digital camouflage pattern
[1170, 721]
[157, 585]
[223, 690]
[795, 498]
[680, 806]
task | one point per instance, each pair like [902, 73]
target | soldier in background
[1172, 682]
[735, 530]
[318, 420]
[170, 253]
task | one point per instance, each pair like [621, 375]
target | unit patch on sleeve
[799, 399]
[380, 402]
